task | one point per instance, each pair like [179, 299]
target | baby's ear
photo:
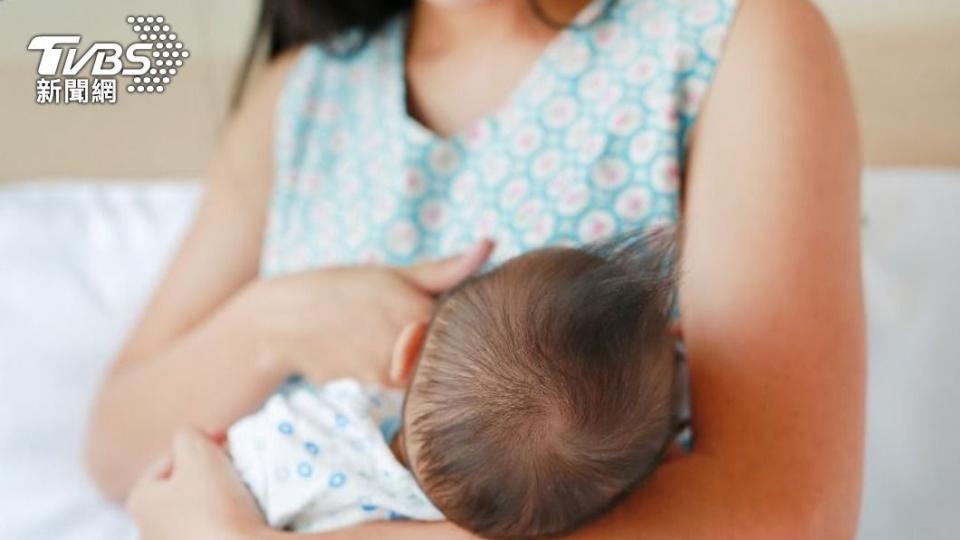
[405, 352]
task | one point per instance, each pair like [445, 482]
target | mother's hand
[195, 494]
[343, 322]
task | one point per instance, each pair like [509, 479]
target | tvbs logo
[107, 57]
[149, 64]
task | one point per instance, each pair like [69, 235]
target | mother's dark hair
[288, 23]
[284, 24]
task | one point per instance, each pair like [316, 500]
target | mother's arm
[771, 302]
[197, 328]
[771, 298]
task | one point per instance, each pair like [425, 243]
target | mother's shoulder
[786, 25]
[781, 87]
[779, 48]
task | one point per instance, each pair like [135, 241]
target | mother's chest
[528, 191]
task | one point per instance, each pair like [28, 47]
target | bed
[78, 259]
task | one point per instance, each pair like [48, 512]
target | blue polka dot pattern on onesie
[321, 476]
[337, 480]
[590, 143]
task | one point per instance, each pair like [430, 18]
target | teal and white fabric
[590, 143]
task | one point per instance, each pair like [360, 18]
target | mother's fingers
[191, 447]
[160, 469]
[437, 276]
[186, 442]
[151, 482]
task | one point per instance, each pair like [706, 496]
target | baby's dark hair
[545, 388]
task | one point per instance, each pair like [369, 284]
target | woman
[427, 133]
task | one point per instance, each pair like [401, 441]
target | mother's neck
[438, 26]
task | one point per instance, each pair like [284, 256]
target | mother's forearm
[694, 497]
[702, 497]
[207, 378]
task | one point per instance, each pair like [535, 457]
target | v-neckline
[588, 13]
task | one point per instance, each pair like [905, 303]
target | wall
[904, 65]
[141, 136]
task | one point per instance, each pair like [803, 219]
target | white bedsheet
[78, 259]
[912, 277]
[76, 263]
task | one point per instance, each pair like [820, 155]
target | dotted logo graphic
[166, 58]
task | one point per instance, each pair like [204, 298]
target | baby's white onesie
[317, 458]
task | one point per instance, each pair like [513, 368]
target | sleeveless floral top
[590, 144]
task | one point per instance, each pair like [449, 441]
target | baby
[542, 392]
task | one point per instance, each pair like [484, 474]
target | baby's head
[544, 389]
